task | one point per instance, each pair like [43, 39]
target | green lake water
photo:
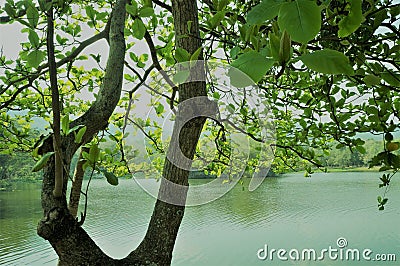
[288, 212]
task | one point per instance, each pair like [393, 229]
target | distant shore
[353, 169]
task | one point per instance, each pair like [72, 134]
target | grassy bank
[353, 169]
[11, 184]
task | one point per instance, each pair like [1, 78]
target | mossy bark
[72, 244]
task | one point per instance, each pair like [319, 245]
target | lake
[288, 212]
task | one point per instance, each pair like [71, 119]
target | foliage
[344, 157]
[334, 64]
[18, 167]
[326, 70]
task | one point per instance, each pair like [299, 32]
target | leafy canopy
[329, 70]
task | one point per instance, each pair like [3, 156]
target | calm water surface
[287, 212]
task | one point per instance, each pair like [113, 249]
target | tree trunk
[70, 241]
[159, 241]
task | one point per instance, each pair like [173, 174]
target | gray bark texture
[70, 241]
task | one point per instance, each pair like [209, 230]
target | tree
[327, 70]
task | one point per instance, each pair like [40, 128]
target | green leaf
[274, 45]
[79, 135]
[182, 55]
[266, 10]
[384, 201]
[395, 161]
[301, 19]
[61, 40]
[243, 111]
[33, 16]
[216, 19]
[42, 162]
[216, 95]
[23, 22]
[231, 108]
[146, 12]
[285, 48]
[372, 80]
[392, 78]
[85, 165]
[379, 199]
[249, 68]
[139, 29]
[196, 54]
[90, 12]
[111, 178]
[35, 57]
[352, 21]
[181, 76]
[222, 4]
[328, 61]
[44, 5]
[34, 39]
[159, 109]
[94, 153]
[10, 10]
[361, 149]
[133, 56]
[74, 129]
[380, 16]
[234, 52]
[65, 124]
[132, 9]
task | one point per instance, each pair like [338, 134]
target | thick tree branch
[55, 106]
[96, 118]
[59, 227]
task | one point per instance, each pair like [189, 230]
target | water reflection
[286, 212]
[19, 214]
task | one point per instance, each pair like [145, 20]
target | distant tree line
[16, 167]
[19, 165]
[344, 157]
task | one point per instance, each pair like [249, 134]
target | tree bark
[159, 241]
[55, 105]
[70, 241]
[77, 184]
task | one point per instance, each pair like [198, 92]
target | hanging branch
[55, 105]
[44, 68]
[156, 63]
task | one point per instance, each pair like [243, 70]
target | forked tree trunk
[70, 241]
